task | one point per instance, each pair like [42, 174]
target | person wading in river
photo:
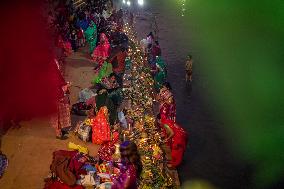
[188, 69]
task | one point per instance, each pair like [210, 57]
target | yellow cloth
[88, 121]
[81, 149]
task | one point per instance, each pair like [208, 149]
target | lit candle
[124, 138]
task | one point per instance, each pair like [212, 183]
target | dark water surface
[208, 156]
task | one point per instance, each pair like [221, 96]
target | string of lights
[140, 92]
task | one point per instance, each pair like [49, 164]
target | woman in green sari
[102, 72]
[161, 74]
[102, 99]
[91, 36]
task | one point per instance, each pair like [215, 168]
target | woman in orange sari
[101, 127]
[102, 51]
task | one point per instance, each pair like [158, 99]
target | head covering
[127, 148]
[91, 36]
[165, 94]
[102, 51]
[124, 145]
[104, 38]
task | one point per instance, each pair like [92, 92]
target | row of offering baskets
[100, 175]
[106, 168]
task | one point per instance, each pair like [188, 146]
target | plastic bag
[84, 132]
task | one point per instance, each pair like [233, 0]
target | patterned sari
[101, 127]
[62, 117]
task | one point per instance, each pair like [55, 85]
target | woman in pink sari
[101, 127]
[102, 51]
[130, 168]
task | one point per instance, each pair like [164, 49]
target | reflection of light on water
[183, 9]
[197, 184]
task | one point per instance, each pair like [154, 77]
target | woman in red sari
[62, 118]
[175, 138]
[102, 51]
[65, 45]
[167, 102]
[168, 109]
[101, 127]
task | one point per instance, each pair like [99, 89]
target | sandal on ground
[50, 177]
[64, 132]
[62, 137]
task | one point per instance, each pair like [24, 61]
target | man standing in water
[188, 69]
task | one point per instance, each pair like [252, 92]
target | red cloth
[80, 33]
[59, 185]
[156, 50]
[65, 153]
[101, 127]
[178, 142]
[57, 78]
[60, 42]
[28, 88]
[168, 111]
[121, 62]
[68, 48]
[102, 51]
[74, 165]
[108, 149]
[60, 166]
